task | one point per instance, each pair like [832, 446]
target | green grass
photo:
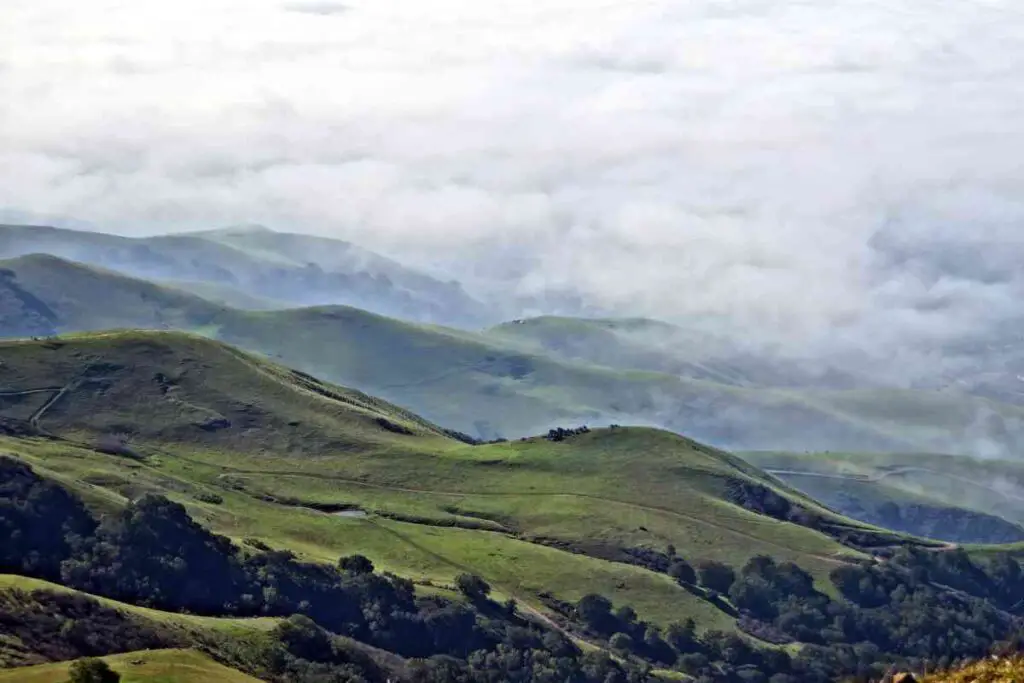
[596, 492]
[149, 666]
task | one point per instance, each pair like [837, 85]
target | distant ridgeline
[350, 316]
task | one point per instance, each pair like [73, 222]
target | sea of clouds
[816, 170]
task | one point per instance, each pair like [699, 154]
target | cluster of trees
[91, 670]
[561, 433]
[39, 522]
[154, 554]
[710, 656]
[918, 606]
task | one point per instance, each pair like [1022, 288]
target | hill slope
[953, 498]
[549, 521]
[152, 666]
[43, 295]
[279, 452]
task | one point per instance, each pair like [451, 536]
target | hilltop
[170, 387]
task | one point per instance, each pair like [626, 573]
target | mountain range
[507, 380]
[255, 267]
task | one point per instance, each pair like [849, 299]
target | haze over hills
[914, 492]
[377, 341]
[286, 269]
[521, 378]
[254, 268]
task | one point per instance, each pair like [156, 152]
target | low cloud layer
[804, 171]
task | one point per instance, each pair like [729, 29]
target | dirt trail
[44, 390]
[38, 415]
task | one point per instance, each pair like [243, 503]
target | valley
[527, 486]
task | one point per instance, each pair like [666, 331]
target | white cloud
[790, 165]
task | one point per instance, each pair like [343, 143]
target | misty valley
[445, 341]
[249, 455]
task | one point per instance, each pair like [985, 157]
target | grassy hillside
[277, 460]
[152, 666]
[986, 670]
[953, 498]
[264, 455]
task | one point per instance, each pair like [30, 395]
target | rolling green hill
[298, 472]
[262, 453]
[496, 386]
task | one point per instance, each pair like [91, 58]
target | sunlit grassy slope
[258, 452]
[149, 666]
[988, 670]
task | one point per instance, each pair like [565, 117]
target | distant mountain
[253, 262]
[657, 346]
[950, 497]
[43, 295]
[491, 384]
